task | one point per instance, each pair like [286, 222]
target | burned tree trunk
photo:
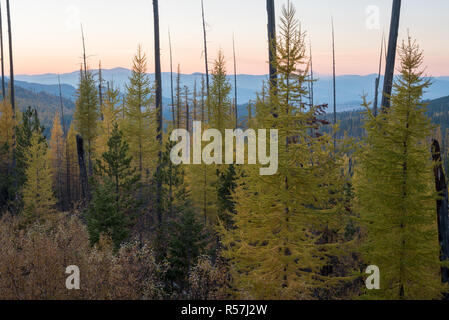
[377, 82]
[205, 48]
[11, 64]
[13, 100]
[100, 90]
[85, 193]
[334, 82]
[171, 81]
[391, 56]
[2, 55]
[272, 42]
[235, 85]
[159, 120]
[442, 209]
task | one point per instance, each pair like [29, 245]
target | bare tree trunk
[2, 55]
[376, 91]
[178, 98]
[11, 83]
[203, 100]
[442, 210]
[186, 97]
[100, 90]
[391, 56]
[334, 81]
[67, 154]
[235, 85]
[83, 170]
[272, 42]
[171, 80]
[159, 116]
[205, 48]
[195, 101]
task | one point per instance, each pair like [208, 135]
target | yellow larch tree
[279, 247]
[7, 125]
[110, 111]
[57, 157]
[38, 197]
[139, 125]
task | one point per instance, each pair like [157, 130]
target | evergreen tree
[204, 179]
[38, 197]
[277, 248]
[139, 125]
[28, 126]
[395, 190]
[113, 204]
[187, 243]
[87, 113]
[173, 182]
[57, 157]
[226, 187]
[219, 101]
[110, 111]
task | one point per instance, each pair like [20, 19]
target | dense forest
[101, 192]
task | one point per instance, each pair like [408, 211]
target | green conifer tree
[113, 204]
[87, 113]
[277, 248]
[139, 126]
[395, 190]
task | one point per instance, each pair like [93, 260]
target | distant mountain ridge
[350, 88]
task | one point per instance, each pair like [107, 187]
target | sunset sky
[47, 32]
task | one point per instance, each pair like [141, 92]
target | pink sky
[47, 36]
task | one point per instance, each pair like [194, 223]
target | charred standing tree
[205, 48]
[2, 55]
[11, 84]
[391, 55]
[159, 118]
[235, 85]
[442, 209]
[85, 194]
[272, 42]
[171, 80]
[11, 64]
[100, 89]
[334, 82]
[377, 83]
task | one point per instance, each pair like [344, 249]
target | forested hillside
[46, 106]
